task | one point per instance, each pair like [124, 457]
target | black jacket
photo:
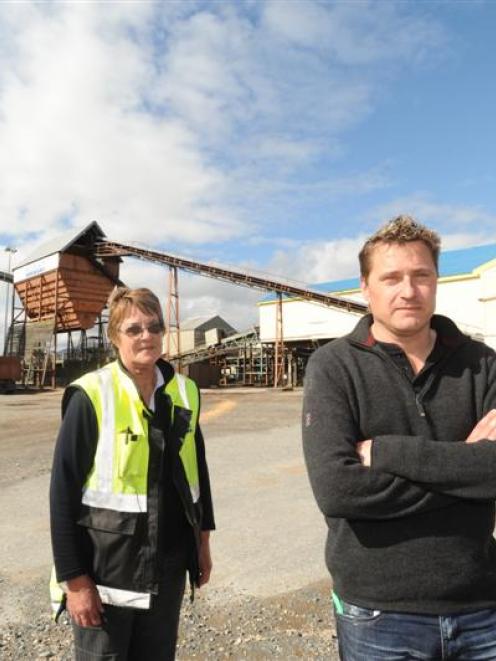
[88, 540]
[414, 532]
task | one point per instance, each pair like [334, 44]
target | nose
[408, 287]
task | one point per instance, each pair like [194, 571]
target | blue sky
[271, 135]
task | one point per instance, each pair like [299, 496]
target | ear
[365, 288]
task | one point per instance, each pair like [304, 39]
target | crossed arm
[410, 474]
[485, 429]
[458, 468]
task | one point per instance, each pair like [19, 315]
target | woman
[130, 496]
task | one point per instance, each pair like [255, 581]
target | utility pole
[11, 251]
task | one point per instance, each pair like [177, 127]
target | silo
[63, 288]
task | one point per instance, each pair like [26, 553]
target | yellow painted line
[224, 406]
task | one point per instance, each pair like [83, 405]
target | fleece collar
[447, 331]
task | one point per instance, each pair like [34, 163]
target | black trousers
[130, 634]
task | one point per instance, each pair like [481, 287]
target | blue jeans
[373, 635]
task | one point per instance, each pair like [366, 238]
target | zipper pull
[420, 407]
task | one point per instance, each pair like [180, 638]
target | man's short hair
[402, 229]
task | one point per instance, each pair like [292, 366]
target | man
[398, 424]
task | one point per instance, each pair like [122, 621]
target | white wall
[459, 300]
[303, 320]
[487, 294]
[37, 267]
[471, 303]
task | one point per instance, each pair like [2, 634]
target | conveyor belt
[111, 248]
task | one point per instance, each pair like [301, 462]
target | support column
[12, 313]
[55, 324]
[40, 294]
[279, 345]
[173, 331]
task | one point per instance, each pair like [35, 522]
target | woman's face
[139, 339]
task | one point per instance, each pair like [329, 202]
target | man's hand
[205, 558]
[364, 451]
[484, 429]
[83, 602]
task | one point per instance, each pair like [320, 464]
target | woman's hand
[205, 559]
[83, 602]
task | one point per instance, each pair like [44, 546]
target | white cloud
[76, 141]
[447, 218]
[320, 261]
[356, 33]
[195, 123]
[181, 122]
[466, 240]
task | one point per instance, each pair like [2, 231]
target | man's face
[400, 289]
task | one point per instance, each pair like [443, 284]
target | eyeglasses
[135, 330]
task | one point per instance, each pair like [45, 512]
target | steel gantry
[106, 248]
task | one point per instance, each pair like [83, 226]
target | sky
[273, 136]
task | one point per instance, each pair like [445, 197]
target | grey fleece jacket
[413, 533]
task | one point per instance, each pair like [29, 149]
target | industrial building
[199, 332]
[466, 293]
[63, 288]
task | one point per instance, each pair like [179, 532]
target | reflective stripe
[181, 384]
[56, 593]
[195, 492]
[104, 459]
[120, 502]
[117, 597]
[101, 495]
[191, 471]
[105, 480]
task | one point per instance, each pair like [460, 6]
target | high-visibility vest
[118, 478]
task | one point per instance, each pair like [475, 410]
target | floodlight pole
[11, 251]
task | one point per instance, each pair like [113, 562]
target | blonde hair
[402, 229]
[120, 302]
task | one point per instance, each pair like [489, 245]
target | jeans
[373, 635]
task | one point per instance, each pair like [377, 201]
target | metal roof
[196, 323]
[62, 242]
[193, 322]
[462, 262]
[451, 263]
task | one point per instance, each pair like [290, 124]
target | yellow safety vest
[118, 478]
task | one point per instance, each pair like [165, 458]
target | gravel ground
[295, 625]
[248, 611]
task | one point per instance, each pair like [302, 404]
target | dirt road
[269, 592]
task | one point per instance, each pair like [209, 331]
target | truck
[10, 372]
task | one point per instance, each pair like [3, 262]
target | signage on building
[38, 267]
